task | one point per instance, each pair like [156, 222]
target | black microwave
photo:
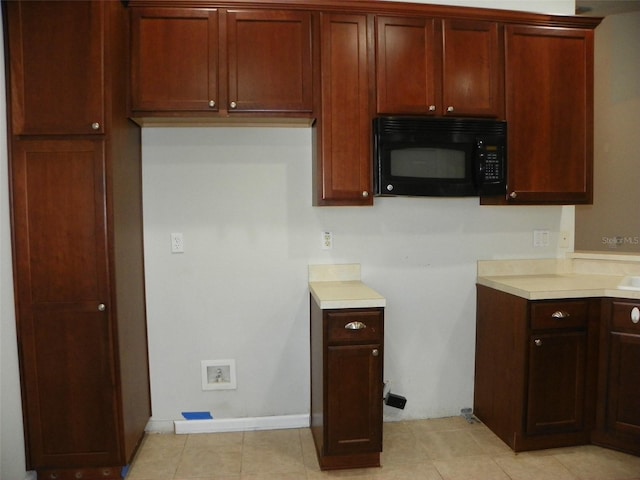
[445, 157]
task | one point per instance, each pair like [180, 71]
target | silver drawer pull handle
[560, 314]
[635, 315]
[355, 326]
[375, 352]
[538, 342]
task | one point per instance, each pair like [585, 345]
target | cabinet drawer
[354, 326]
[566, 314]
[623, 316]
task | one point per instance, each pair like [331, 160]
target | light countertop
[578, 276]
[339, 286]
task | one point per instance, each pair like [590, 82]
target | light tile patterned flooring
[437, 449]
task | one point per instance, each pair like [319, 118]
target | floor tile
[533, 467]
[438, 449]
[470, 468]
[595, 463]
[449, 444]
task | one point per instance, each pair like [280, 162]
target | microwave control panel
[491, 162]
[492, 165]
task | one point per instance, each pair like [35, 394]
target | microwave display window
[436, 163]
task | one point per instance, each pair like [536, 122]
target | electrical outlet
[541, 238]
[327, 241]
[177, 243]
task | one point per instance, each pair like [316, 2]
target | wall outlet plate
[218, 374]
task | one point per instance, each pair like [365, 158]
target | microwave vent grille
[391, 125]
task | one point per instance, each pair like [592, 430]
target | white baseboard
[219, 425]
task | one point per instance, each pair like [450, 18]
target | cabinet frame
[76, 193]
[346, 412]
[503, 395]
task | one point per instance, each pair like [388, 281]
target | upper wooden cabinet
[343, 165]
[203, 60]
[57, 67]
[439, 67]
[174, 59]
[549, 110]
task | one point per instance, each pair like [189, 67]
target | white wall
[242, 199]
[239, 290]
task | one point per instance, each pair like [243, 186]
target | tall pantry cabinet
[75, 180]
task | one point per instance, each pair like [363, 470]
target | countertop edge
[344, 295]
[553, 294]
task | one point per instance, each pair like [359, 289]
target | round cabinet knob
[233, 104]
[212, 103]
[635, 315]
[95, 125]
[513, 195]
[449, 108]
[102, 307]
[538, 342]
[365, 194]
[432, 108]
[375, 352]
[390, 187]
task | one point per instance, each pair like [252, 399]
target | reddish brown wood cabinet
[219, 60]
[439, 67]
[57, 68]
[549, 109]
[536, 369]
[76, 195]
[346, 386]
[342, 136]
[618, 417]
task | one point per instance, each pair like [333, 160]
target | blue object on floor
[125, 471]
[197, 415]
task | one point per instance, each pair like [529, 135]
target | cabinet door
[269, 61]
[174, 59]
[354, 399]
[623, 409]
[57, 71]
[557, 372]
[345, 169]
[472, 69]
[618, 423]
[64, 319]
[408, 65]
[549, 94]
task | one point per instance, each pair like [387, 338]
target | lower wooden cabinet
[80, 305]
[618, 411]
[346, 386]
[536, 369]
